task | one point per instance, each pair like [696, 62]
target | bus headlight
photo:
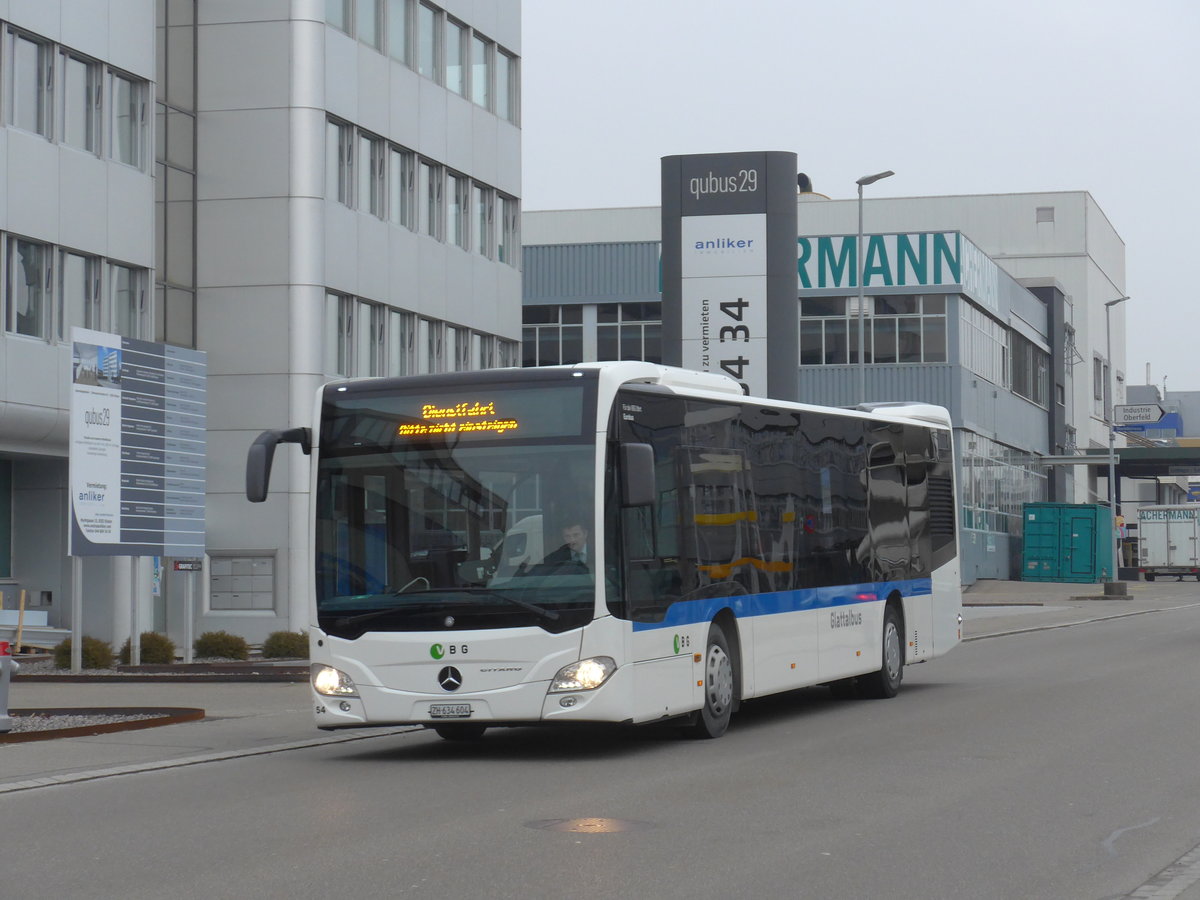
[585, 675]
[332, 683]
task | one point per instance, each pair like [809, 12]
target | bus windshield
[440, 511]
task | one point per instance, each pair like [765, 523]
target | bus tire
[460, 731]
[885, 683]
[713, 717]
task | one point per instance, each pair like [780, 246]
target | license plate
[449, 710]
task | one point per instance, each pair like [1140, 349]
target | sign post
[137, 458]
[729, 268]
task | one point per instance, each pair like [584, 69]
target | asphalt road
[1052, 764]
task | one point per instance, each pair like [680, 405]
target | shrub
[96, 654]
[157, 649]
[285, 645]
[221, 645]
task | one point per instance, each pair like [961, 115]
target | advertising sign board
[137, 447]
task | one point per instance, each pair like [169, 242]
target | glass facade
[899, 329]
[997, 481]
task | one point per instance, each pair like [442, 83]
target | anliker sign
[729, 267]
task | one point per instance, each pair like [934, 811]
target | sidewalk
[257, 717]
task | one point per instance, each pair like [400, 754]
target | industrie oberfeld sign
[137, 447]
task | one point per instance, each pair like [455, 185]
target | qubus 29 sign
[729, 276]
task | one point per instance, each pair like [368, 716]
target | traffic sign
[1137, 413]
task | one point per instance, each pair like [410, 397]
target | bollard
[8, 667]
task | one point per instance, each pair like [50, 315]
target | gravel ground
[42, 722]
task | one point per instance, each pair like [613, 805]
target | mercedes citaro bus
[613, 542]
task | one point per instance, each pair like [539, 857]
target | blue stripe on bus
[694, 612]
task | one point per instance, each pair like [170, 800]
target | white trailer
[1169, 541]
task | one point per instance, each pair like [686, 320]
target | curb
[159, 715]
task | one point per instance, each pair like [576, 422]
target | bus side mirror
[262, 454]
[637, 475]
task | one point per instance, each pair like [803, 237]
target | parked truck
[1169, 541]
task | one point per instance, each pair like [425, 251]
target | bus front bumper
[528, 703]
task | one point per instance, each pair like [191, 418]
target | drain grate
[588, 825]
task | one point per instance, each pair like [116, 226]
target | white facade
[303, 189]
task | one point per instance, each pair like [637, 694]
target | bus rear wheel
[886, 682]
[460, 732]
[713, 718]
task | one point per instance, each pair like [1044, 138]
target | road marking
[199, 759]
[1172, 881]
[1140, 612]
[1112, 838]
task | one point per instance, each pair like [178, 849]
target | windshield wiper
[548, 614]
[377, 613]
[524, 604]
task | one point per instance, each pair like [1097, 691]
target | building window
[427, 42]
[899, 329]
[128, 120]
[481, 204]
[401, 173]
[129, 307]
[337, 14]
[339, 162]
[457, 193]
[429, 189]
[506, 93]
[81, 103]
[339, 335]
[398, 30]
[553, 335]
[455, 73]
[997, 482]
[78, 293]
[28, 287]
[1030, 370]
[30, 80]
[370, 29]
[629, 331]
[371, 162]
[507, 353]
[481, 81]
[507, 248]
[400, 343]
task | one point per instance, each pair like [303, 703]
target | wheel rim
[891, 652]
[719, 680]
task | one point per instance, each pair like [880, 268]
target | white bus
[614, 542]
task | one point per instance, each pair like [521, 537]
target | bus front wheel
[713, 718]
[886, 682]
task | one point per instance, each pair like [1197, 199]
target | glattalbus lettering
[844, 618]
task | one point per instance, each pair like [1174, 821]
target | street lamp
[1112, 438]
[862, 265]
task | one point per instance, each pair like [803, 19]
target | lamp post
[861, 266]
[1112, 438]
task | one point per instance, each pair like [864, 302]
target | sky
[960, 97]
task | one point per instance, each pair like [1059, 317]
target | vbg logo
[437, 651]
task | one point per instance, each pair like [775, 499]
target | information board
[137, 457]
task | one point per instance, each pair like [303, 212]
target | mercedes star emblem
[450, 679]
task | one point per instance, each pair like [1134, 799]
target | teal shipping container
[1067, 542]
